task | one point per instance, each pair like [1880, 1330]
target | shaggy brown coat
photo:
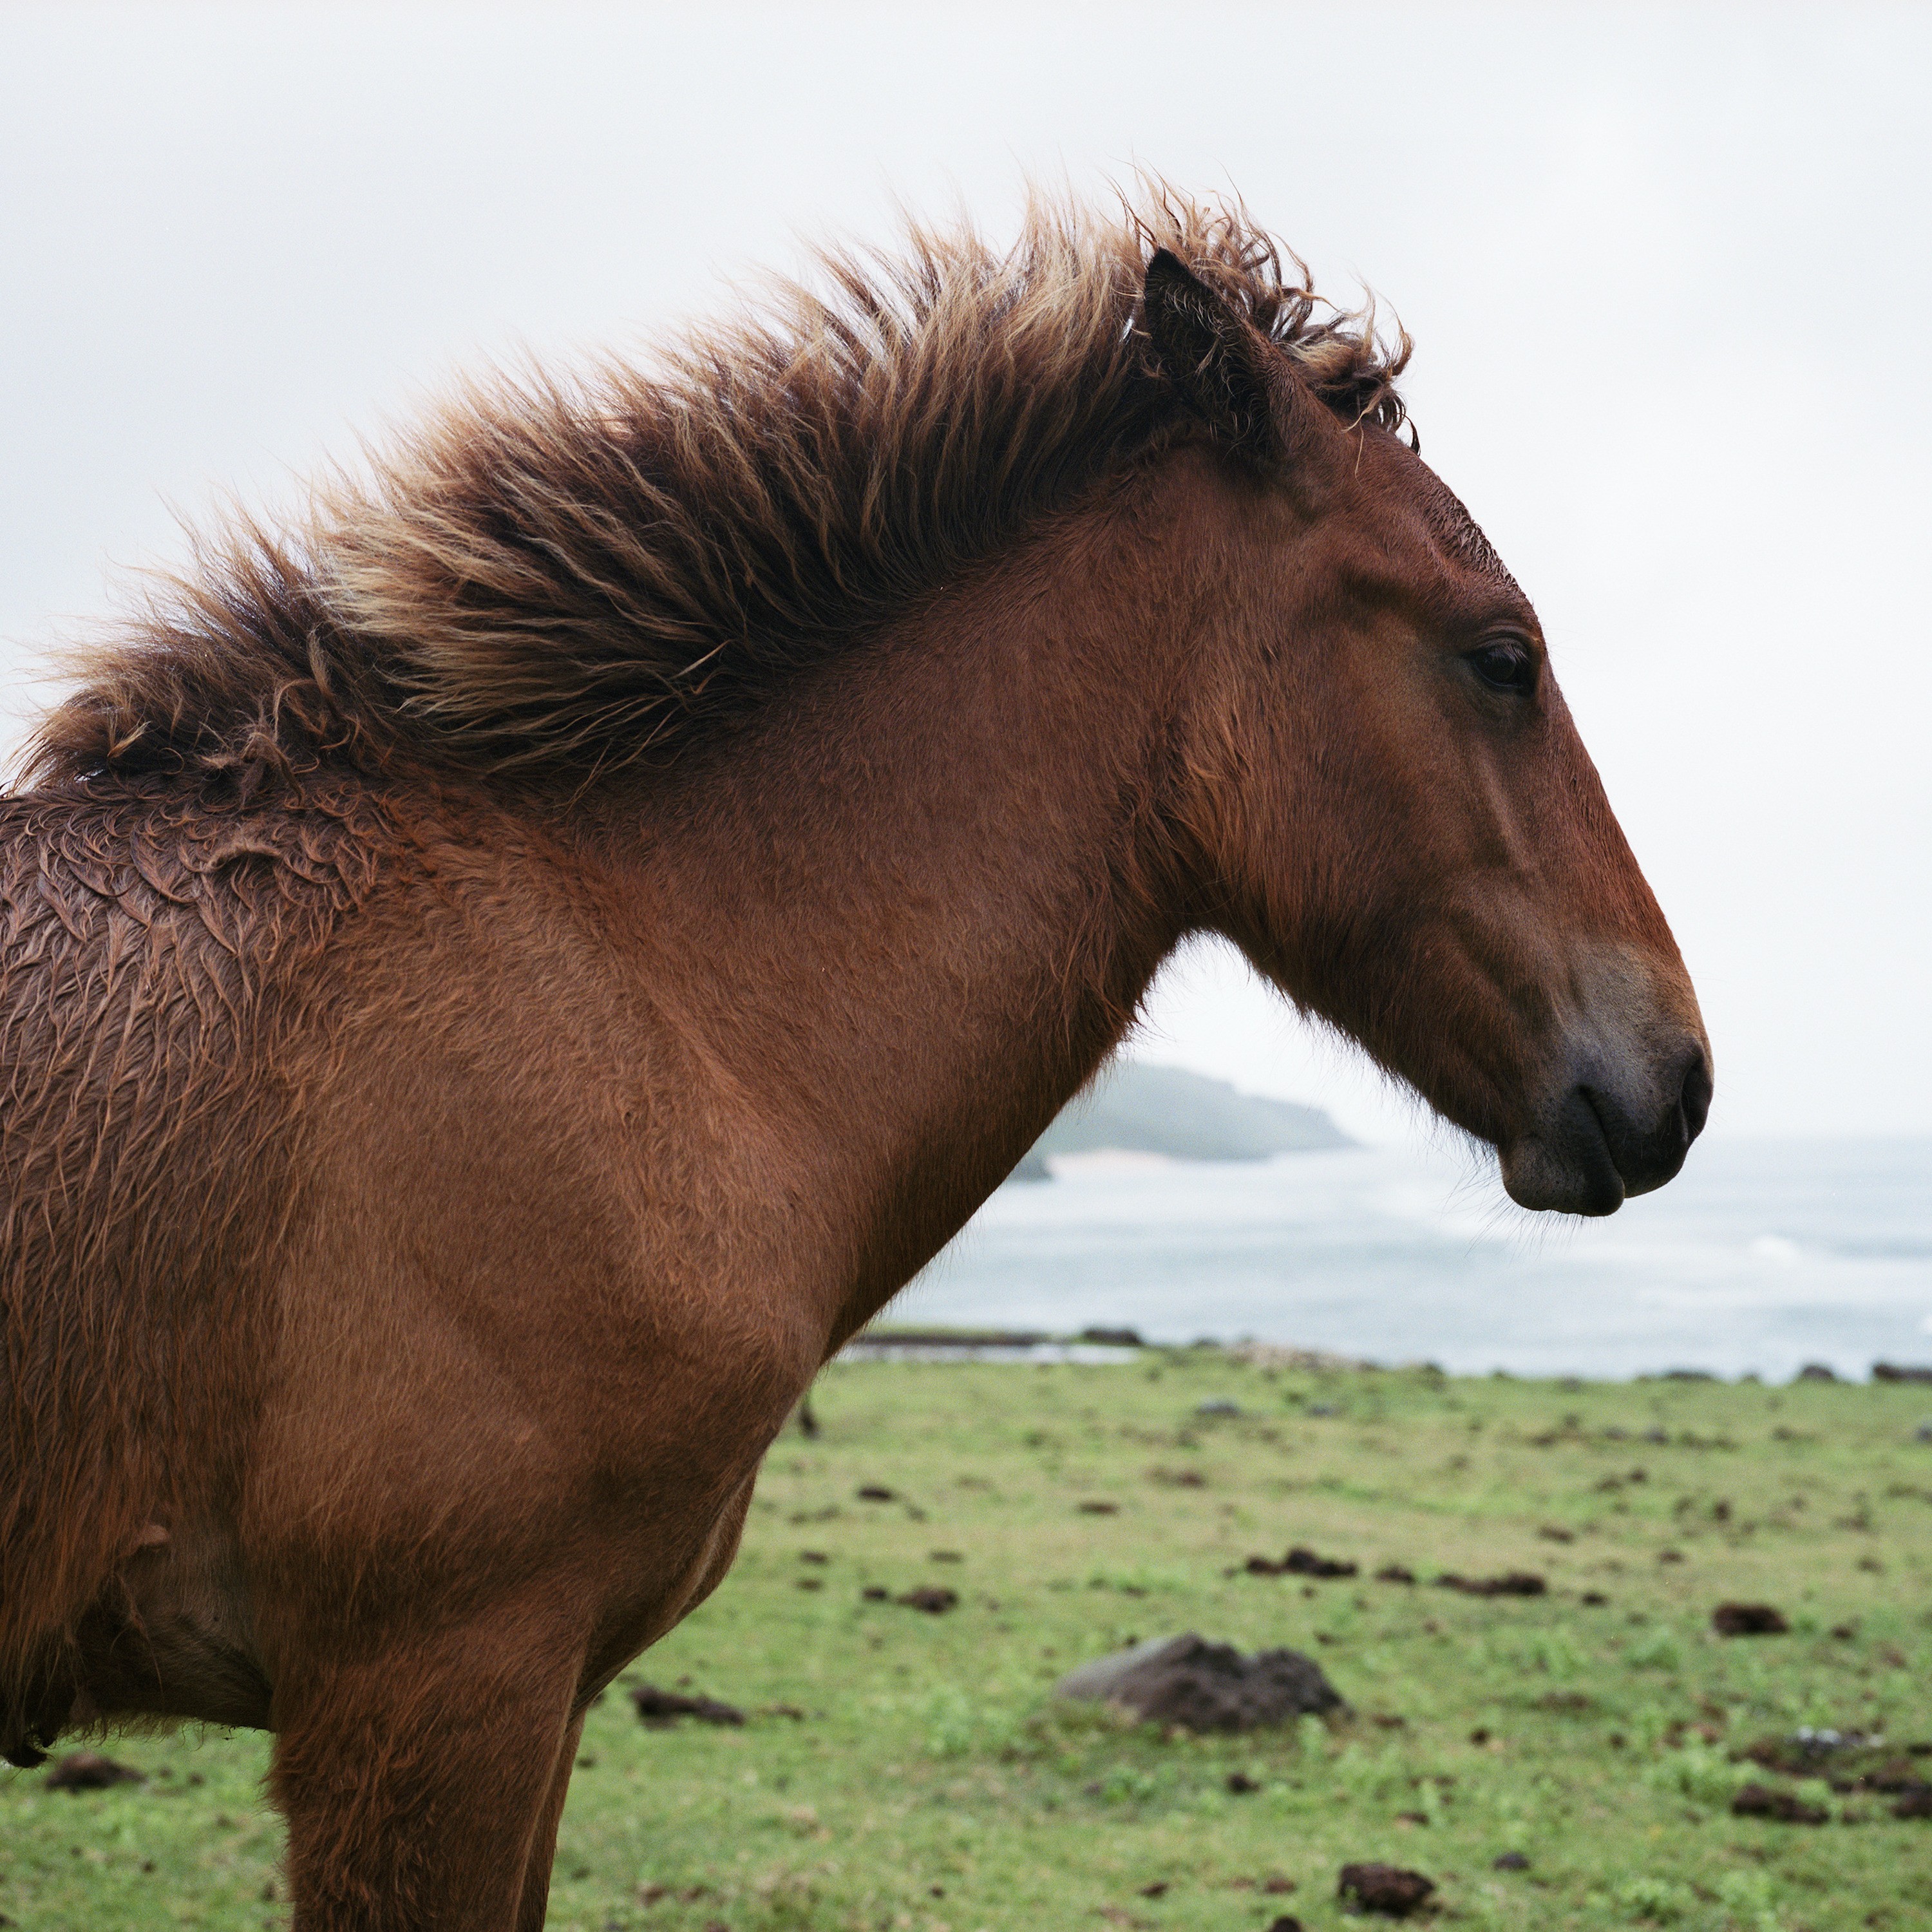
[496, 986]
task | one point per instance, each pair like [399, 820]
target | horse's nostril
[1696, 1098]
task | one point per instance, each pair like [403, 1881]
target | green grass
[932, 1782]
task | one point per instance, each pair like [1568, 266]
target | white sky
[1669, 269]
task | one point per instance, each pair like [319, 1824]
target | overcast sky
[1667, 270]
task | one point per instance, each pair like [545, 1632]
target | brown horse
[496, 988]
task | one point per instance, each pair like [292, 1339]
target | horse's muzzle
[1618, 1127]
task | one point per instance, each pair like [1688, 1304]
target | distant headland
[1134, 1108]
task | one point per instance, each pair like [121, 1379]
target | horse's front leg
[543, 1844]
[422, 1779]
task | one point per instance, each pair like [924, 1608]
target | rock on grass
[1205, 1687]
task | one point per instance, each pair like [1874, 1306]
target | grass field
[911, 1772]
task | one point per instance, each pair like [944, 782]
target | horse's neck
[915, 910]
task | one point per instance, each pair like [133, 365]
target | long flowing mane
[565, 574]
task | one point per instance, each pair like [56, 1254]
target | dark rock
[1893, 1372]
[1510, 1861]
[1784, 1808]
[1510, 1583]
[932, 1600]
[1240, 1783]
[1157, 1890]
[1287, 1922]
[1387, 1889]
[88, 1771]
[1200, 1686]
[1594, 1599]
[876, 1493]
[1916, 1803]
[658, 1708]
[1217, 1405]
[1748, 1620]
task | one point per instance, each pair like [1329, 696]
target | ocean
[1762, 1256]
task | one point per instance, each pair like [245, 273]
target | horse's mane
[562, 575]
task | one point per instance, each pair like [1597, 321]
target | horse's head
[1389, 805]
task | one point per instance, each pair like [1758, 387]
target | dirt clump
[1198, 1686]
[933, 1601]
[1849, 1761]
[1299, 1561]
[1510, 1861]
[1915, 1802]
[1510, 1583]
[89, 1771]
[1302, 1561]
[1784, 1808]
[876, 1493]
[1387, 1889]
[1748, 1620]
[658, 1708]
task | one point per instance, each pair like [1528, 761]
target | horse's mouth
[1568, 1168]
[1595, 1149]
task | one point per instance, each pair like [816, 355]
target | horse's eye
[1505, 667]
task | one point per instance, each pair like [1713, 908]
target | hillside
[1139, 1108]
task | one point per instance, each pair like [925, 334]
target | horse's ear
[1225, 367]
